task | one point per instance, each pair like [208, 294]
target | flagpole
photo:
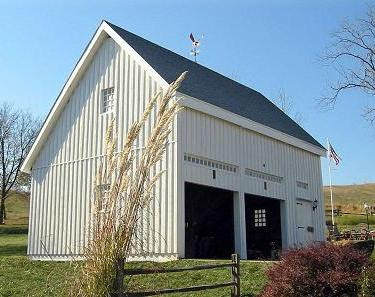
[330, 181]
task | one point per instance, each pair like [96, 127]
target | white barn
[241, 175]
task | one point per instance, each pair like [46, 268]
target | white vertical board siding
[63, 173]
[208, 137]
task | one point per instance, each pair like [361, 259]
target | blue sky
[267, 45]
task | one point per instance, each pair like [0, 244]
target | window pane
[107, 99]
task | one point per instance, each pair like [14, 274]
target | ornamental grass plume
[122, 189]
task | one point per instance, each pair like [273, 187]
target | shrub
[366, 246]
[323, 269]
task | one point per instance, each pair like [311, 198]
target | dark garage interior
[263, 227]
[209, 226]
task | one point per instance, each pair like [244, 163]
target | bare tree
[352, 54]
[23, 183]
[286, 104]
[18, 131]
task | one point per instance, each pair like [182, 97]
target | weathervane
[195, 46]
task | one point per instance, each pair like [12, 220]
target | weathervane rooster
[195, 43]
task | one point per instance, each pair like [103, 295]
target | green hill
[17, 210]
[351, 197]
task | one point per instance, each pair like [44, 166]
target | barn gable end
[64, 168]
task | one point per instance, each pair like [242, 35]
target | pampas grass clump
[122, 190]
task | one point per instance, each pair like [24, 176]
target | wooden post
[118, 285]
[236, 276]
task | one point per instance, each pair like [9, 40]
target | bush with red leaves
[321, 270]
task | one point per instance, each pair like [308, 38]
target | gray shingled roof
[209, 86]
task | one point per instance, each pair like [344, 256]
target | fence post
[118, 285]
[236, 292]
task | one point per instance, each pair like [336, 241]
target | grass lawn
[13, 245]
[353, 219]
[22, 277]
[348, 222]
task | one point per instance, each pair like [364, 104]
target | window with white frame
[260, 218]
[108, 99]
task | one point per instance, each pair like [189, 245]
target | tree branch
[353, 52]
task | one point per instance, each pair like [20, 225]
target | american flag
[333, 155]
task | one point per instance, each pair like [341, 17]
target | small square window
[107, 99]
[260, 218]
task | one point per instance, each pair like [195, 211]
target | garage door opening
[209, 226]
[263, 227]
